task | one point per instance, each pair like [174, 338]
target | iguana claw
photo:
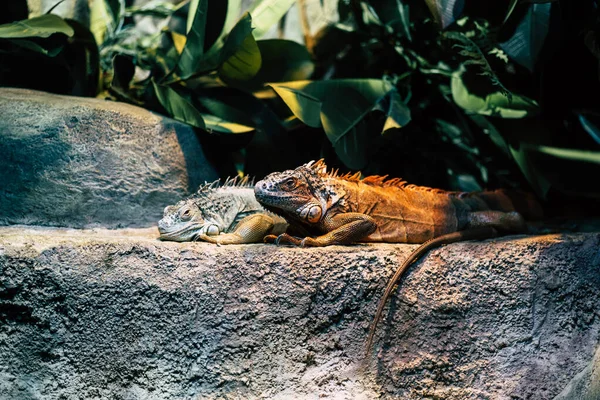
[284, 238]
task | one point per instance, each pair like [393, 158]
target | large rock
[119, 315]
[76, 162]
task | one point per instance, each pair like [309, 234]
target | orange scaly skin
[346, 209]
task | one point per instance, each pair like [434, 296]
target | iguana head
[184, 221]
[302, 193]
[210, 211]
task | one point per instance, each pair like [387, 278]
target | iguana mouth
[181, 235]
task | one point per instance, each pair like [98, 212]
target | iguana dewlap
[221, 214]
[345, 209]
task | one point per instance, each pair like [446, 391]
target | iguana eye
[186, 214]
[289, 184]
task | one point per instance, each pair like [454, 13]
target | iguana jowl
[346, 209]
[222, 214]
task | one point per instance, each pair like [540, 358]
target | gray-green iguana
[346, 209]
[222, 214]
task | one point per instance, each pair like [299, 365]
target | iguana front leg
[251, 229]
[343, 228]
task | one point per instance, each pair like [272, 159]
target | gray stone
[105, 314]
[77, 162]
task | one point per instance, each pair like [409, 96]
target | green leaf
[534, 176]
[29, 45]
[304, 106]
[236, 38]
[215, 57]
[42, 27]
[223, 108]
[192, 53]
[527, 41]
[494, 104]
[372, 89]
[266, 13]
[243, 64]
[192, 13]
[101, 20]
[117, 9]
[352, 148]
[587, 120]
[567, 154]
[177, 106]
[242, 108]
[344, 102]
[231, 13]
[346, 128]
[283, 60]
[339, 117]
[398, 115]
[511, 8]
[217, 124]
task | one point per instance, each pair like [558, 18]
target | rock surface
[101, 314]
[81, 162]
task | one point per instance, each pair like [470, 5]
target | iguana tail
[470, 234]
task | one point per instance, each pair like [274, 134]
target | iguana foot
[284, 238]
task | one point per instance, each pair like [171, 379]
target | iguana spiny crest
[210, 211]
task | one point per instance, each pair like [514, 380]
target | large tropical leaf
[344, 102]
[304, 106]
[192, 53]
[231, 12]
[346, 128]
[235, 41]
[494, 104]
[177, 106]
[243, 64]
[236, 38]
[242, 108]
[284, 60]
[41, 27]
[398, 115]
[214, 123]
[353, 148]
[266, 13]
[339, 117]
[527, 41]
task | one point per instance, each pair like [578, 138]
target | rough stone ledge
[101, 314]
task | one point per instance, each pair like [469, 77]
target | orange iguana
[343, 209]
